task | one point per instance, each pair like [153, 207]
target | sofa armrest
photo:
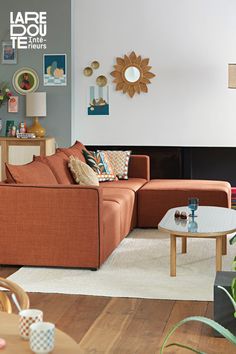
[139, 167]
[50, 225]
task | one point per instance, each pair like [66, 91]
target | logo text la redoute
[28, 30]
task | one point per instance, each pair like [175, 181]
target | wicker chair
[21, 296]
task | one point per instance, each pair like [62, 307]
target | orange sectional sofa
[47, 220]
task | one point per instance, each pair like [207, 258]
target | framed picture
[9, 54]
[98, 104]
[54, 70]
[25, 80]
[9, 124]
[13, 104]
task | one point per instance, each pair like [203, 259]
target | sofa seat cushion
[58, 164]
[36, 173]
[158, 196]
[132, 183]
[75, 150]
[111, 229]
[126, 199]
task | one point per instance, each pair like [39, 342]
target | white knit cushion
[82, 173]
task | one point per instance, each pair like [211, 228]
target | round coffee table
[210, 222]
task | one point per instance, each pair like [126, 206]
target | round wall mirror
[132, 74]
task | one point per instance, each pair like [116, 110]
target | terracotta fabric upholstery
[58, 164]
[34, 172]
[111, 229]
[157, 196]
[139, 167]
[125, 198]
[75, 150]
[52, 226]
[132, 183]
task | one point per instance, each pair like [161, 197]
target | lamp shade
[232, 76]
[36, 104]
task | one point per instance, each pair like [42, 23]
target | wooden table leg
[172, 255]
[184, 244]
[218, 253]
[224, 244]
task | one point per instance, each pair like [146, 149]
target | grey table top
[210, 221]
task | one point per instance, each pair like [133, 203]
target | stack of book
[233, 198]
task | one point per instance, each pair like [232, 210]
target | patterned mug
[27, 318]
[42, 335]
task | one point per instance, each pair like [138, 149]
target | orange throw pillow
[58, 164]
[35, 173]
[75, 150]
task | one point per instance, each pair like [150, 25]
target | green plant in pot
[211, 323]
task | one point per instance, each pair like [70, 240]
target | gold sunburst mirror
[132, 74]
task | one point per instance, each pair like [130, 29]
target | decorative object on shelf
[132, 74]
[88, 71]
[5, 93]
[13, 104]
[232, 76]
[9, 54]
[25, 80]
[25, 135]
[95, 64]
[36, 107]
[9, 125]
[101, 80]
[98, 104]
[54, 70]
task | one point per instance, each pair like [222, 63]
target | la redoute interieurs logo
[28, 30]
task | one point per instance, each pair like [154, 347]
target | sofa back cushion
[35, 172]
[75, 150]
[58, 163]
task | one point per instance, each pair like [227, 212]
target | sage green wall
[58, 120]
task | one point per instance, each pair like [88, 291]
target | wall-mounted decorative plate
[88, 71]
[25, 80]
[95, 64]
[101, 80]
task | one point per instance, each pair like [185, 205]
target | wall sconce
[232, 76]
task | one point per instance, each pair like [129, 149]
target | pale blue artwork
[54, 70]
[98, 104]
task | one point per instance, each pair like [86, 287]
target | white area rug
[138, 268]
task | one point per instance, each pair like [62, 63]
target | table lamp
[36, 107]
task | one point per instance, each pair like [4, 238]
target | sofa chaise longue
[48, 220]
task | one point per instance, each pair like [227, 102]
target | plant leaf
[233, 240]
[216, 326]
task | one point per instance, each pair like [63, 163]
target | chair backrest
[22, 297]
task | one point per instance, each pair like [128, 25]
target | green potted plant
[211, 323]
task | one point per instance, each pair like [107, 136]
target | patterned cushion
[82, 173]
[100, 164]
[119, 161]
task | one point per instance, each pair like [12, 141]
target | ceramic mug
[42, 336]
[27, 318]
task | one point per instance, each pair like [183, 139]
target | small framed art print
[9, 54]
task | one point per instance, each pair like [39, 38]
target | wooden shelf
[46, 147]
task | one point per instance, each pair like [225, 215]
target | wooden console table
[46, 147]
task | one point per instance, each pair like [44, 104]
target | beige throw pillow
[82, 173]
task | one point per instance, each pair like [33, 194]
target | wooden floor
[126, 326]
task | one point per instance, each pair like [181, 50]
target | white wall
[189, 43]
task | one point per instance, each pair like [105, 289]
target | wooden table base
[221, 249]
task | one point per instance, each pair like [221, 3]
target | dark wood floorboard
[126, 326]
